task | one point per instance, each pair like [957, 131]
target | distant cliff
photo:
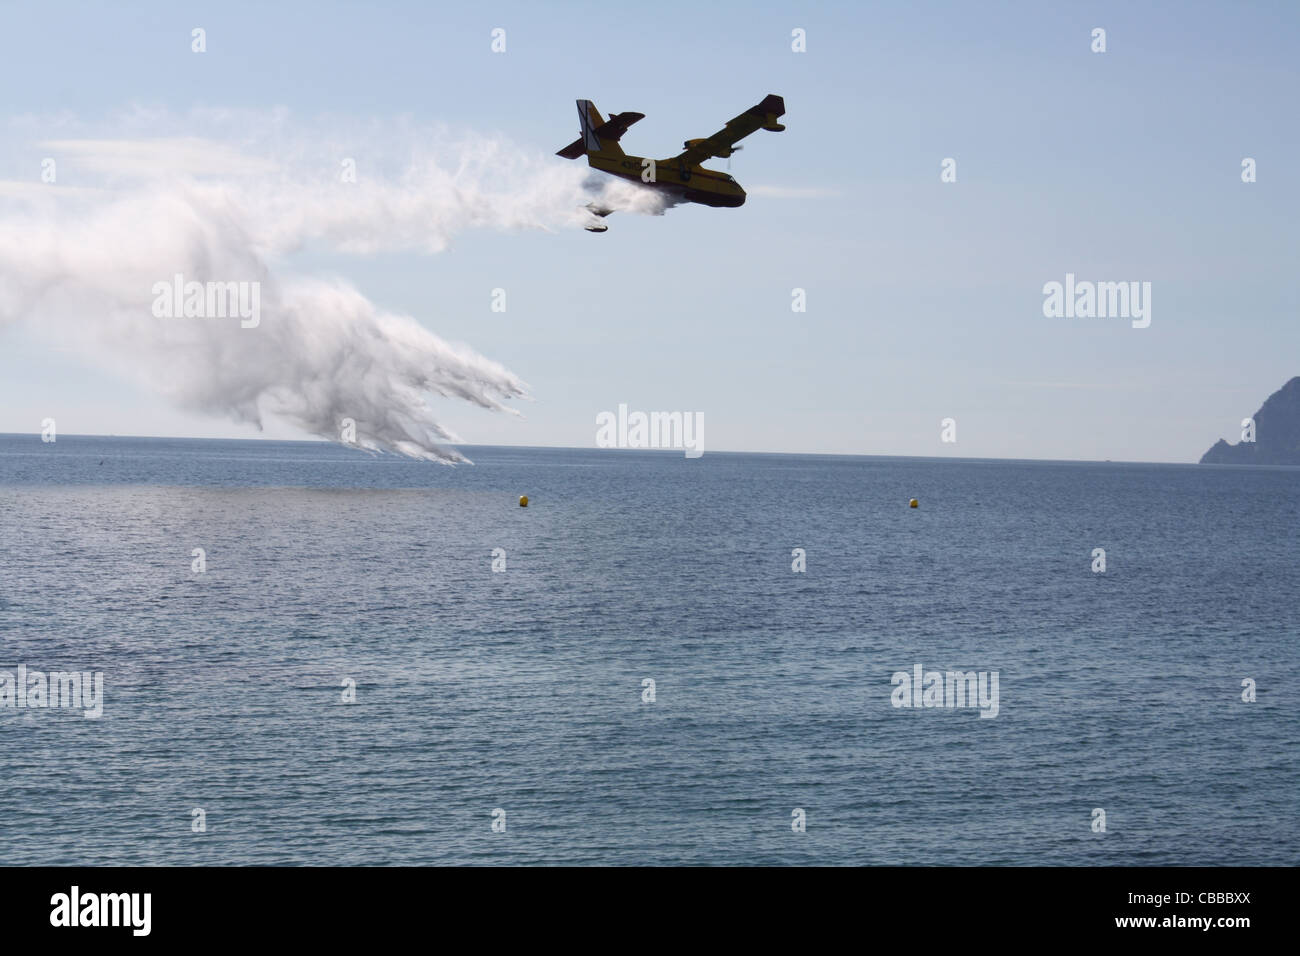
[1277, 434]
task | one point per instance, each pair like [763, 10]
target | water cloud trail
[84, 265]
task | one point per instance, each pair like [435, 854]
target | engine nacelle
[724, 152]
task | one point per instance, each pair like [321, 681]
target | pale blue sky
[924, 298]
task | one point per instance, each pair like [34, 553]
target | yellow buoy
[523, 501]
[913, 503]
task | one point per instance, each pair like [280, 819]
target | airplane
[680, 175]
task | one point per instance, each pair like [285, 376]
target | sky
[924, 298]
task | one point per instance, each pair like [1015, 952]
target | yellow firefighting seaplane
[681, 175]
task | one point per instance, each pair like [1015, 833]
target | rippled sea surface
[522, 690]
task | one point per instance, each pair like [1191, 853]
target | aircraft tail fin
[599, 136]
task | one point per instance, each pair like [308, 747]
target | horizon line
[791, 454]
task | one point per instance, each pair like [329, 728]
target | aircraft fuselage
[692, 183]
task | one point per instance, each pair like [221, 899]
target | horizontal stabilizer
[596, 138]
[617, 125]
[574, 149]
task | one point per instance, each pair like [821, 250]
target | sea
[312, 655]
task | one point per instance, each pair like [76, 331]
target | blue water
[522, 690]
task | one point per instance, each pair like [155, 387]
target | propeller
[734, 150]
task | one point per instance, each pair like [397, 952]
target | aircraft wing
[721, 143]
